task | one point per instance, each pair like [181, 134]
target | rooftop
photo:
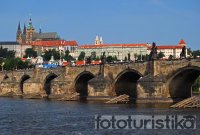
[8, 43]
[54, 43]
[113, 45]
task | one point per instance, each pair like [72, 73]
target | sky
[118, 21]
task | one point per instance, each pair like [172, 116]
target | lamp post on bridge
[2, 66]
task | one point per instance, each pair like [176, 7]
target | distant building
[29, 34]
[174, 50]
[63, 45]
[135, 50]
[119, 50]
[12, 46]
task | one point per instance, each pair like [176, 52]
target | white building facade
[12, 46]
[119, 50]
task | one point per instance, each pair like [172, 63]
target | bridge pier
[61, 89]
[10, 89]
[152, 89]
[100, 86]
[34, 90]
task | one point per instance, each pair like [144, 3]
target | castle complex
[41, 41]
[29, 34]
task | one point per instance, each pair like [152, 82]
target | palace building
[134, 49]
[119, 50]
[173, 50]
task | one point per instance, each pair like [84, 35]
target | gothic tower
[19, 34]
[29, 32]
[24, 34]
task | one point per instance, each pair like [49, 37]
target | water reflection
[43, 117]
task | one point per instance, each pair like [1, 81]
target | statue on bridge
[183, 53]
[103, 61]
[153, 54]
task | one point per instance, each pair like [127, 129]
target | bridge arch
[21, 82]
[47, 83]
[81, 83]
[180, 83]
[126, 83]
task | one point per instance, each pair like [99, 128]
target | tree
[109, 59]
[170, 57]
[4, 53]
[196, 53]
[115, 58]
[47, 55]
[81, 56]
[189, 51]
[161, 55]
[97, 58]
[67, 56]
[93, 55]
[29, 52]
[129, 57]
[88, 60]
[125, 58]
[196, 84]
[15, 63]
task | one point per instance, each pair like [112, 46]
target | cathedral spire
[19, 30]
[24, 31]
[19, 34]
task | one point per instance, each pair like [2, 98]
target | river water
[42, 117]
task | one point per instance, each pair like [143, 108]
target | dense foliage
[29, 52]
[67, 56]
[81, 56]
[4, 53]
[47, 55]
[16, 63]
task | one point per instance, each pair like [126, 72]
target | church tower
[19, 34]
[29, 32]
[182, 43]
[101, 40]
[97, 40]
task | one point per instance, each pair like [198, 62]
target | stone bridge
[161, 81]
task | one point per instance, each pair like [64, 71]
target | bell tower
[29, 32]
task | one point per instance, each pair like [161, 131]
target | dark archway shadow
[47, 83]
[81, 84]
[181, 82]
[23, 79]
[126, 83]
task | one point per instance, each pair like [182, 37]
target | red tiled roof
[113, 45]
[167, 47]
[54, 43]
[182, 41]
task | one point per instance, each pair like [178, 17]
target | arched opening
[180, 85]
[81, 84]
[47, 83]
[5, 77]
[23, 79]
[126, 83]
